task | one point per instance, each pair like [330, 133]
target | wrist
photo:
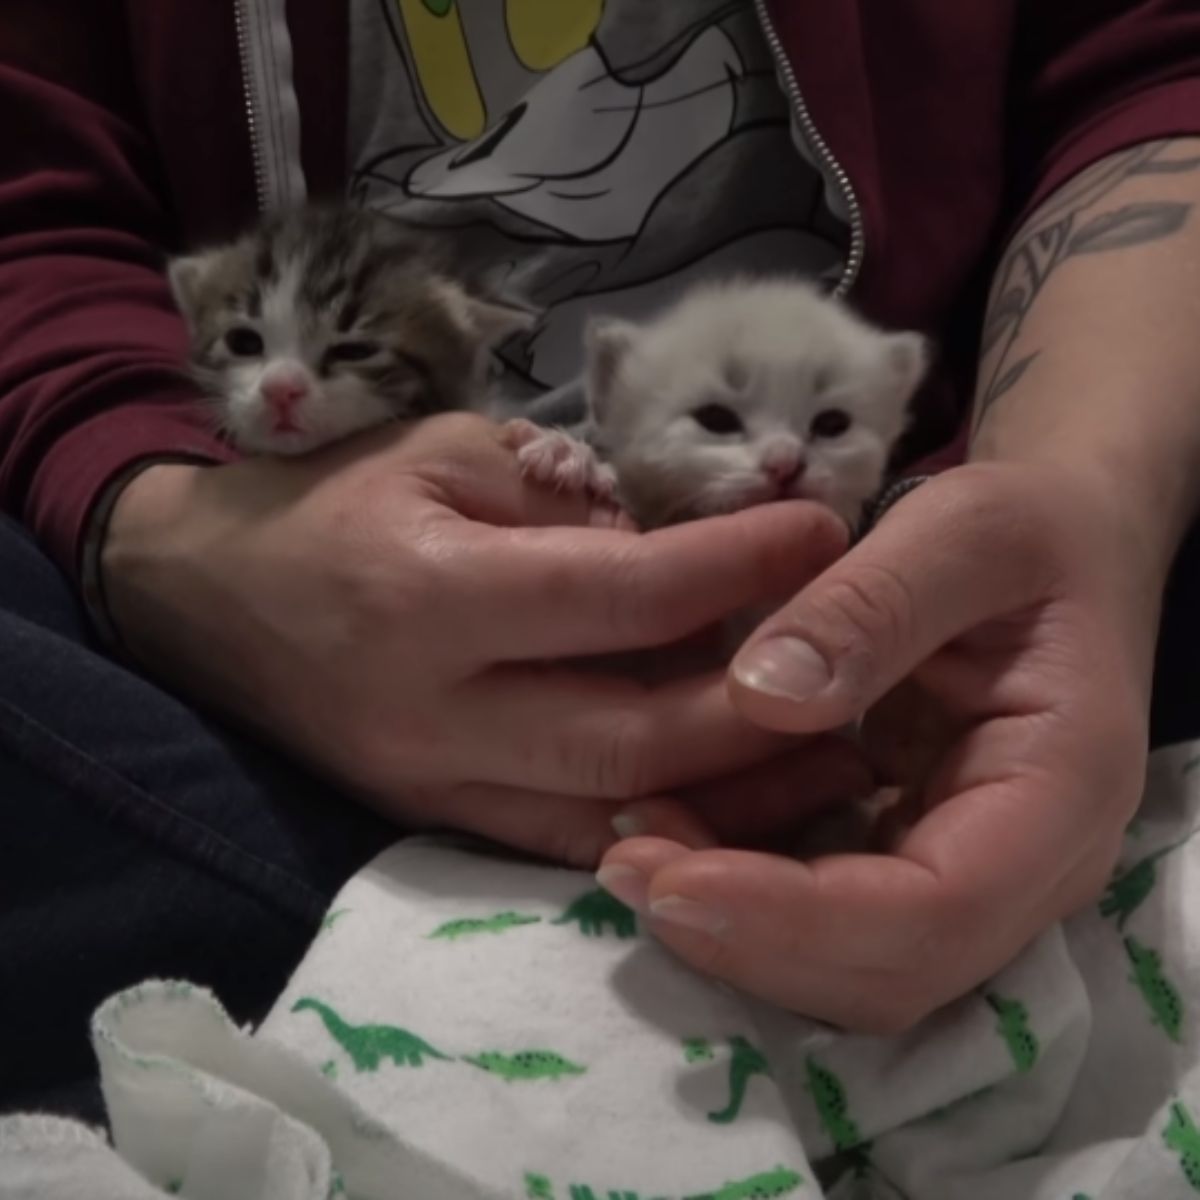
[146, 528]
[1146, 494]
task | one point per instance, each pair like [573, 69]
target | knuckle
[621, 765]
[463, 427]
[632, 612]
[871, 611]
[710, 956]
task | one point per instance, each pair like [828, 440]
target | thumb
[946, 558]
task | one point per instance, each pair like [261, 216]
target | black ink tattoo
[1065, 227]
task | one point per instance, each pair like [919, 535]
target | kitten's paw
[555, 459]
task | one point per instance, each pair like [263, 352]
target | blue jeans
[139, 838]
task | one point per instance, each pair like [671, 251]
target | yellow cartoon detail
[544, 32]
[443, 63]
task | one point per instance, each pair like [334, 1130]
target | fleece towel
[468, 1026]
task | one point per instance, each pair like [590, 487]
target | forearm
[1091, 349]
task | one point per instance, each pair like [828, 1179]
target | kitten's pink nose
[784, 464]
[282, 394]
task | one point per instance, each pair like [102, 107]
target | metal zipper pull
[831, 168]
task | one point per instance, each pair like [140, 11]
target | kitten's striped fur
[364, 319]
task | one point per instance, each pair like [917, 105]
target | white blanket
[469, 1027]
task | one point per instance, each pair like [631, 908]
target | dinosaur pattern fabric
[471, 1026]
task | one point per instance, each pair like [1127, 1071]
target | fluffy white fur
[779, 356]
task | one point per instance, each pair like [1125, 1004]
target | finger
[469, 464]
[774, 804]
[585, 734]
[845, 940]
[667, 818]
[773, 912]
[844, 996]
[559, 592]
[563, 829]
[770, 803]
[626, 875]
[871, 618]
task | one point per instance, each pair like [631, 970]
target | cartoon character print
[609, 139]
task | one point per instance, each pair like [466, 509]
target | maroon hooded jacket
[124, 135]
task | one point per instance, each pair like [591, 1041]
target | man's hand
[1015, 601]
[396, 611]
[1004, 598]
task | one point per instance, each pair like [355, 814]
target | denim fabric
[137, 839]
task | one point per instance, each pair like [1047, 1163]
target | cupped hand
[999, 623]
[397, 611]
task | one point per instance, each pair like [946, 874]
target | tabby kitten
[324, 321]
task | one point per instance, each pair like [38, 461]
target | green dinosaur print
[528, 1064]
[174, 1187]
[766, 1186]
[331, 919]
[1012, 1024]
[537, 1187]
[337, 1186]
[1182, 1136]
[1127, 892]
[594, 910]
[1166, 1008]
[1081, 1196]
[581, 1191]
[780, 1182]
[329, 1069]
[369, 1045]
[451, 931]
[830, 1099]
[745, 1062]
[698, 1050]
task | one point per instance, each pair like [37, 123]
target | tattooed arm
[1091, 347]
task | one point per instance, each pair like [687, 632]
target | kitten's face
[747, 395]
[325, 323]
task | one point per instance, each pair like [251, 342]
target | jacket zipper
[240, 18]
[816, 142]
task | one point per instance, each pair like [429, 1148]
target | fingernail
[628, 825]
[785, 667]
[675, 910]
[627, 884]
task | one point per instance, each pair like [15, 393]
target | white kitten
[744, 392]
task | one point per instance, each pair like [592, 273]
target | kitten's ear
[607, 343]
[495, 323]
[187, 276]
[907, 359]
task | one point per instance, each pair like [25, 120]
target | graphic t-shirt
[631, 148]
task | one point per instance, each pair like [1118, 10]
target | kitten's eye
[831, 423]
[351, 351]
[243, 342]
[717, 418]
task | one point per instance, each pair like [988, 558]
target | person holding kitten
[383, 610]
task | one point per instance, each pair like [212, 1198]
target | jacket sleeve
[90, 343]
[1091, 79]
[1088, 80]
